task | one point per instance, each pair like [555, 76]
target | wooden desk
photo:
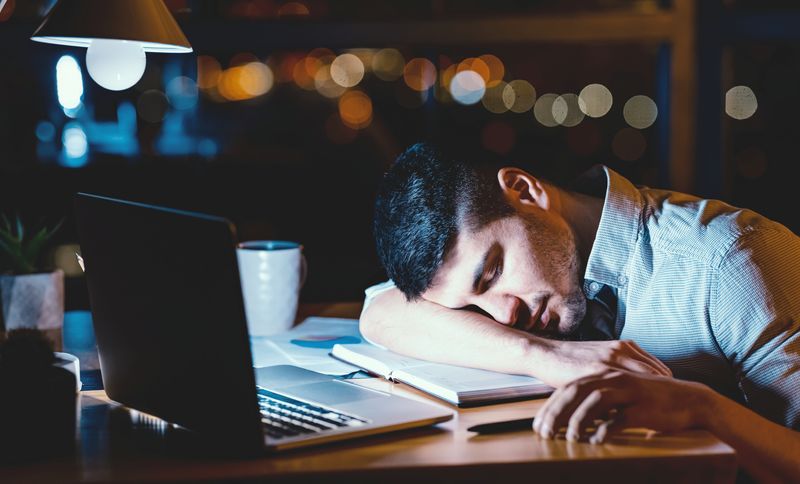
[115, 444]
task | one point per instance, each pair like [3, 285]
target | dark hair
[426, 197]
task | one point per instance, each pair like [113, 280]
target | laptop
[172, 338]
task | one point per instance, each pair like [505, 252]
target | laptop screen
[169, 317]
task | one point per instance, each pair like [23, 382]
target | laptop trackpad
[331, 392]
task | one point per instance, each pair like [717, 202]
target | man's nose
[504, 309]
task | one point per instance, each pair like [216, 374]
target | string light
[740, 102]
[519, 95]
[640, 112]
[595, 100]
[419, 74]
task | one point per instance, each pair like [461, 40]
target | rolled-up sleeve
[757, 321]
[369, 294]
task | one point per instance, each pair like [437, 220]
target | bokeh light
[442, 87]
[366, 56]
[640, 112]
[566, 111]
[347, 70]
[595, 100]
[325, 85]
[242, 58]
[446, 76]
[477, 65]
[387, 64]
[294, 9]
[69, 83]
[286, 65]
[628, 144]
[467, 87]
[493, 99]
[208, 72]
[740, 102]
[520, 96]
[496, 69]
[45, 131]
[499, 137]
[543, 110]
[207, 148]
[419, 74]
[256, 79]
[65, 259]
[316, 59]
[301, 76]
[152, 106]
[76, 146]
[246, 82]
[182, 93]
[355, 109]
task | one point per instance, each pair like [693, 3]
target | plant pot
[33, 301]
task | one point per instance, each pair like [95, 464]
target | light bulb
[115, 64]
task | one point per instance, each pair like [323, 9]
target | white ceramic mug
[272, 273]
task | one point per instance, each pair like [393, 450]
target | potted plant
[30, 297]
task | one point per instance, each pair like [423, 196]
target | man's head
[462, 232]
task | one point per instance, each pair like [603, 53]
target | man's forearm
[426, 330]
[767, 451]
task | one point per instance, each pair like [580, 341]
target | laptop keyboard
[286, 417]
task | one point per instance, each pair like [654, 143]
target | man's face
[521, 270]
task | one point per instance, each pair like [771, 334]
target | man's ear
[523, 190]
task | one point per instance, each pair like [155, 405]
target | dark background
[281, 165]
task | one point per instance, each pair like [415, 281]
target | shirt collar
[619, 227]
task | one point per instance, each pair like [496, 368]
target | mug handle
[303, 270]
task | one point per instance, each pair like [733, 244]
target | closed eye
[496, 272]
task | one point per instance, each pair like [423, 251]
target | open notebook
[455, 384]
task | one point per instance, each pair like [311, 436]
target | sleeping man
[605, 291]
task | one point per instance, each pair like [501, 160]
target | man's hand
[622, 399]
[565, 361]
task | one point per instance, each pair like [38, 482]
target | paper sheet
[308, 345]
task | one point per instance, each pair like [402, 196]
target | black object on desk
[37, 400]
[506, 426]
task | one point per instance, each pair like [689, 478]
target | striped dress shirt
[710, 289]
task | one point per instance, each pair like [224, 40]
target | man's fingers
[562, 403]
[663, 369]
[598, 404]
[627, 417]
[605, 429]
[640, 366]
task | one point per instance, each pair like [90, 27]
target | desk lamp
[116, 33]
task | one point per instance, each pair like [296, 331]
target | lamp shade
[77, 23]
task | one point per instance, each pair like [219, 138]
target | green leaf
[6, 223]
[13, 244]
[30, 251]
[20, 229]
[14, 258]
[4, 248]
[56, 227]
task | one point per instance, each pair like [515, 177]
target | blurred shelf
[581, 27]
